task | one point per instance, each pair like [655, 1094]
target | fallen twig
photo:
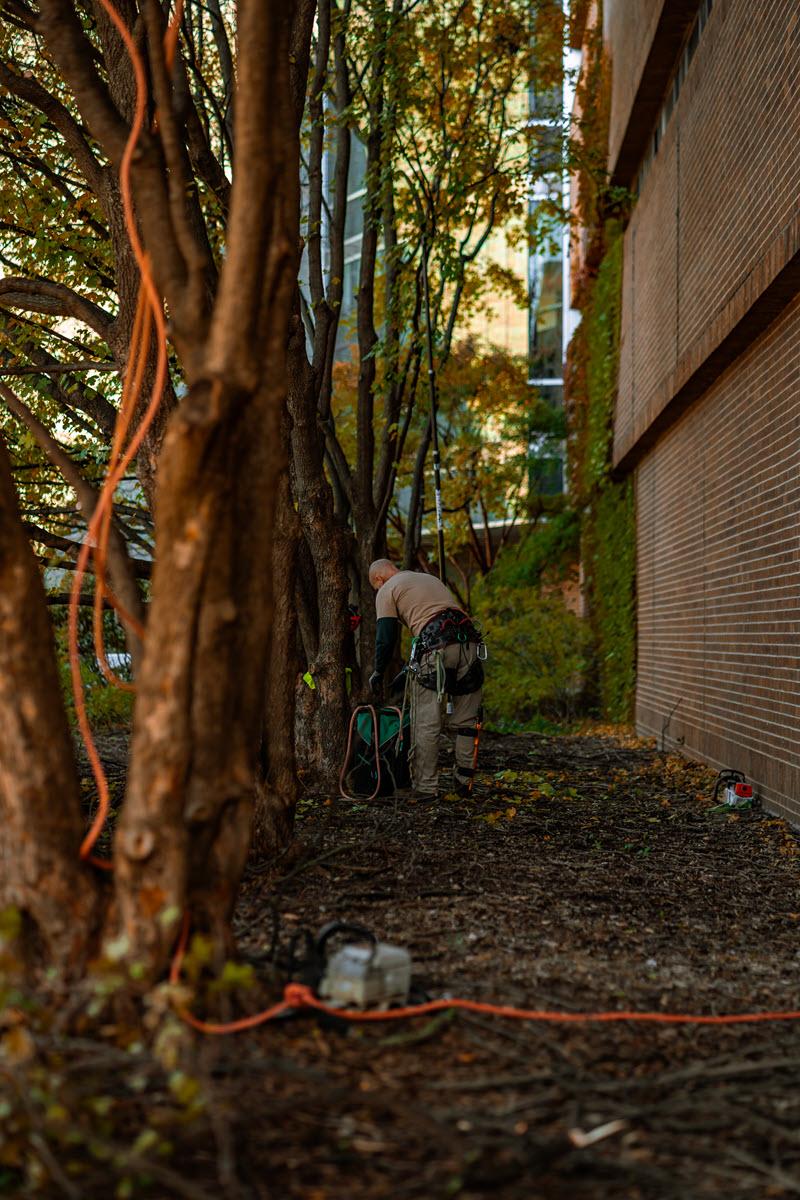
[777, 1174]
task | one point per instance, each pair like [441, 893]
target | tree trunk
[184, 832]
[323, 709]
[40, 815]
[369, 548]
[278, 785]
[200, 692]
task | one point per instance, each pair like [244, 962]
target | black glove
[376, 683]
[398, 684]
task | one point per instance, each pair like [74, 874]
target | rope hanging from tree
[149, 315]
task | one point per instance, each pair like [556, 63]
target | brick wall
[718, 572]
[708, 407]
[629, 29]
[718, 219]
[739, 124]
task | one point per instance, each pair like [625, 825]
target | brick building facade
[705, 130]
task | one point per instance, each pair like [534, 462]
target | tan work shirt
[414, 598]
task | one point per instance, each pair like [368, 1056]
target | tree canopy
[282, 426]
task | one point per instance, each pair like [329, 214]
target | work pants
[428, 712]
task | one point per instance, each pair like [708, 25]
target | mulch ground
[587, 873]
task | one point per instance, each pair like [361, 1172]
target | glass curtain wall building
[353, 232]
[551, 320]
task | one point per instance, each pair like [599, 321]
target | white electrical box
[367, 976]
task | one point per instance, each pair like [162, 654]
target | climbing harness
[427, 666]
[450, 627]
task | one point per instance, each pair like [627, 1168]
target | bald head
[381, 570]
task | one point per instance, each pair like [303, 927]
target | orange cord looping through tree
[149, 313]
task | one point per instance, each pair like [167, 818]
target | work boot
[415, 796]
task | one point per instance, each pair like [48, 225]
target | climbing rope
[368, 708]
[149, 314]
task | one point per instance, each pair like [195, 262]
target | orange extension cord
[299, 996]
[149, 313]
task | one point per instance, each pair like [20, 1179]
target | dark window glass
[354, 219]
[546, 349]
[546, 449]
[547, 103]
[546, 156]
[546, 478]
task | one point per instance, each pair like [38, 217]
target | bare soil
[587, 873]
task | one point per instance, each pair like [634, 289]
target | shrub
[105, 705]
[537, 655]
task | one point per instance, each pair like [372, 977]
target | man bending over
[445, 668]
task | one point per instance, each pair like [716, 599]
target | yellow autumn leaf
[17, 1045]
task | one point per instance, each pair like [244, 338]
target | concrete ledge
[667, 38]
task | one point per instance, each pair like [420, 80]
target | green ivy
[602, 359]
[545, 553]
[610, 554]
[538, 656]
[608, 526]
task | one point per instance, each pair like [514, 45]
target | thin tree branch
[74, 55]
[26, 88]
[56, 368]
[120, 564]
[55, 299]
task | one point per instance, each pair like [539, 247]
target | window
[546, 360]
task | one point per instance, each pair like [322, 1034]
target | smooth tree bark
[40, 819]
[185, 828]
[278, 786]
